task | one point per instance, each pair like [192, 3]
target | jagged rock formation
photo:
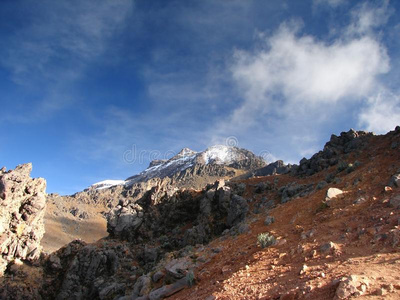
[158, 213]
[159, 236]
[275, 168]
[333, 150]
[23, 202]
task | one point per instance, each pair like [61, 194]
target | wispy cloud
[332, 3]
[382, 112]
[299, 82]
[54, 48]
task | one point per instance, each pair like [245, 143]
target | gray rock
[178, 268]
[269, 220]
[142, 286]
[237, 210]
[23, 203]
[112, 289]
[395, 180]
[157, 276]
[321, 185]
[84, 277]
[329, 247]
[124, 220]
[243, 228]
[168, 290]
[241, 189]
[293, 190]
[224, 197]
[395, 201]
[278, 167]
[150, 254]
[338, 145]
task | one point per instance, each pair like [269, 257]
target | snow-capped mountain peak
[218, 156]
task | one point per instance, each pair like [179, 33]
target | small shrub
[350, 168]
[190, 279]
[342, 165]
[266, 240]
[322, 207]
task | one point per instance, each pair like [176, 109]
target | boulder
[269, 220]
[178, 268]
[351, 286]
[332, 193]
[124, 220]
[168, 290]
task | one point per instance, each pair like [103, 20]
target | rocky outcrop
[347, 142]
[23, 202]
[275, 168]
[294, 190]
[158, 214]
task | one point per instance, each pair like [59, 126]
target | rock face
[23, 202]
[275, 168]
[158, 213]
[338, 145]
[188, 166]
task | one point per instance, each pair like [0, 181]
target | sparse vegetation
[322, 207]
[190, 279]
[265, 240]
[342, 165]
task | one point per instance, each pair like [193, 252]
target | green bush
[190, 279]
[266, 240]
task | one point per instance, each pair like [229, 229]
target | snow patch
[105, 184]
[220, 154]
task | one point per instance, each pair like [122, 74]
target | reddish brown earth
[363, 233]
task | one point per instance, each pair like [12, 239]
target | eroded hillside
[334, 222]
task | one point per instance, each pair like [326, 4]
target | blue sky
[93, 90]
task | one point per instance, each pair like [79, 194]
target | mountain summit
[188, 165]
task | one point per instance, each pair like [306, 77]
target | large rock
[124, 219]
[22, 207]
[294, 190]
[351, 286]
[332, 193]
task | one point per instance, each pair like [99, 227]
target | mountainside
[82, 215]
[187, 165]
[326, 229]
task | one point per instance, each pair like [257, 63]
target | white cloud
[296, 84]
[333, 3]
[310, 71]
[367, 17]
[382, 112]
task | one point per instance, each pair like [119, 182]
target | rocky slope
[83, 215]
[329, 233]
[23, 202]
